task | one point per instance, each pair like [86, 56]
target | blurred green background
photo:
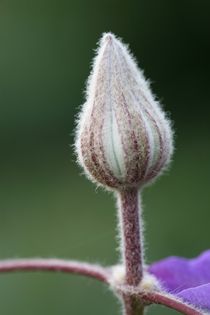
[46, 207]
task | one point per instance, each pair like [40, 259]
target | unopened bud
[123, 137]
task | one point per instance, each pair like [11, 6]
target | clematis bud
[123, 137]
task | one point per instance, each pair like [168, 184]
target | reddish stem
[159, 298]
[131, 237]
[131, 246]
[42, 264]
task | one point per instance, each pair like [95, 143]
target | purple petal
[177, 274]
[198, 296]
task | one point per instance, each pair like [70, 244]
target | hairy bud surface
[123, 137]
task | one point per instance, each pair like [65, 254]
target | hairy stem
[167, 300]
[131, 246]
[67, 266]
[132, 306]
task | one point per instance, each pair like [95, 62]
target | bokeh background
[47, 208]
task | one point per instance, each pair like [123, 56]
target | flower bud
[123, 137]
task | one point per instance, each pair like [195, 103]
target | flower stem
[131, 235]
[48, 264]
[132, 306]
[131, 245]
[171, 302]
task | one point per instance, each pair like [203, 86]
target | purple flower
[188, 279]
